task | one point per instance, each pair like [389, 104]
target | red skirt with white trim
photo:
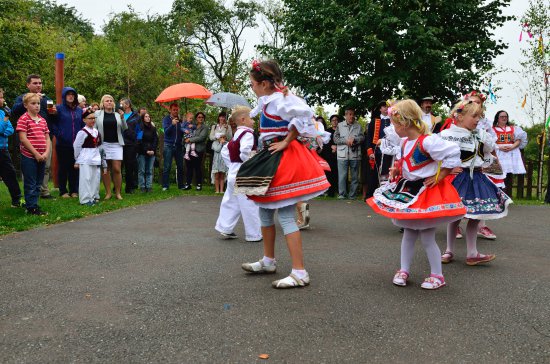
[405, 200]
[295, 172]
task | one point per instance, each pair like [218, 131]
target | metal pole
[59, 83]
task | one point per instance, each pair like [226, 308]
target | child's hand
[430, 181]
[76, 166]
[278, 146]
[456, 170]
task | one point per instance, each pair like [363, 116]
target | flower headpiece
[256, 65]
[475, 93]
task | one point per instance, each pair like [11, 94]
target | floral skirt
[482, 198]
[412, 205]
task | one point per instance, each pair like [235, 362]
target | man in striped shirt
[35, 147]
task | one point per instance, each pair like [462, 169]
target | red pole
[59, 83]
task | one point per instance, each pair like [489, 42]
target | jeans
[176, 152]
[145, 170]
[66, 170]
[8, 175]
[343, 165]
[286, 215]
[33, 175]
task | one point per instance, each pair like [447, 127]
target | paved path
[155, 284]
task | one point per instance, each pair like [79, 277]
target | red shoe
[480, 259]
[486, 233]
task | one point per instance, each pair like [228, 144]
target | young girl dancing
[419, 197]
[283, 172]
[483, 199]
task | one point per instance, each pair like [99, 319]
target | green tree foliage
[360, 52]
[215, 33]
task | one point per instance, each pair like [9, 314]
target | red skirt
[442, 200]
[298, 174]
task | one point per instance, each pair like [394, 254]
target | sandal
[291, 282]
[259, 267]
[480, 259]
[434, 281]
[447, 257]
[400, 278]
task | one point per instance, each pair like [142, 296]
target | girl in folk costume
[481, 197]
[419, 198]
[234, 153]
[492, 171]
[88, 160]
[510, 139]
[283, 172]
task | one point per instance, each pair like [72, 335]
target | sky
[508, 97]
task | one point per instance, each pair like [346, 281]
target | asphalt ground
[156, 284]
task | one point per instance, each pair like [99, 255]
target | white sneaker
[259, 267]
[291, 282]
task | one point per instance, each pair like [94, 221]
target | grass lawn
[60, 209]
[67, 209]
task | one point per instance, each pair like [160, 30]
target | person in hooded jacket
[66, 124]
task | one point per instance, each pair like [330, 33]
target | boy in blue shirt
[7, 170]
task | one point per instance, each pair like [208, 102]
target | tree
[360, 52]
[536, 74]
[215, 33]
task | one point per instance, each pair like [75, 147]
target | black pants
[65, 170]
[9, 176]
[129, 158]
[193, 166]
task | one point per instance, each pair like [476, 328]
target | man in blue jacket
[67, 123]
[34, 85]
[173, 147]
[7, 170]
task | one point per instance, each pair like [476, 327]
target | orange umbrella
[183, 91]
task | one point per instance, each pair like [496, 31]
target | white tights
[427, 236]
[471, 237]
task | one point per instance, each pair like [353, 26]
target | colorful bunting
[524, 101]
[547, 124]
[492, 96]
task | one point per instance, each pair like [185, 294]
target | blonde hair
[239, 113]
[29, 97]
[103, 98]
[408, 113]
[466, 107]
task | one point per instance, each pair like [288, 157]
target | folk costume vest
[234, 147]
[503, 136]
[91, 141]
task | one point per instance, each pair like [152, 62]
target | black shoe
[229, 236]
[198, 188]
[143, 189]
[36, 211]
[46, 197]
[17, 204]
[129, 192]
[186, 187]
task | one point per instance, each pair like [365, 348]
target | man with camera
[348, 138]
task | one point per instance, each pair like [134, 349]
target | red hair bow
[256, 65]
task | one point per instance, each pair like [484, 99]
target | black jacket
[147, 139]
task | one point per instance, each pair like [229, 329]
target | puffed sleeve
[442, 150]
[521, 135]
[247, 143]
[77, 144]
[488, 139]
[391, 143]
[298, 114]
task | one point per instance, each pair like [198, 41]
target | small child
[7, 170]
[419, 197]
[234, 153]
[35, 146]
[482, 198]
[188, 129]
[88, 160]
